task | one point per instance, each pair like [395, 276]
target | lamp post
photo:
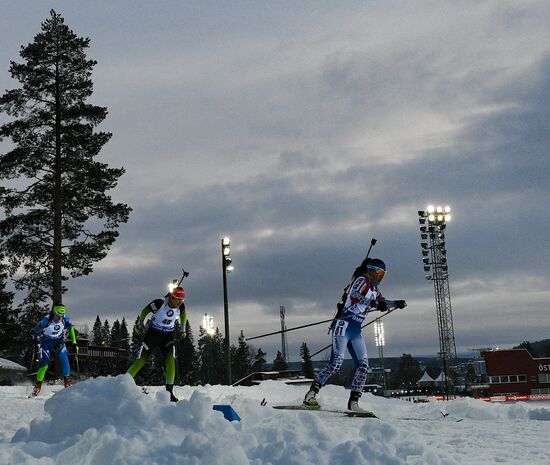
[433, 223]
[380, 343]
[227, 267]
[208, 325]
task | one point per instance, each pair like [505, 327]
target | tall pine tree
[51, 226]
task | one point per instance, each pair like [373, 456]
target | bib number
[340, 328]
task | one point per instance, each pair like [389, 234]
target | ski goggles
[376, 273]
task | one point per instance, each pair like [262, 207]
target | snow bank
[109, 421]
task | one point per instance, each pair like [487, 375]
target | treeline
[536, 348]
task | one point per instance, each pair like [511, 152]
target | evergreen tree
[106, 334]
[50, 225]
[259, 360]
[279, 364]
[135, 342]
[187, 358]
[124, 336]
[241, 359]
[97, 332]
[115, 334]
[307, 364]
[212, 368]
[408, 372]
[527, 345]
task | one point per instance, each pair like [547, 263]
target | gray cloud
[302, 136]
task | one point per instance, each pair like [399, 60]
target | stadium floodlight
[227, 267]
[435, 264]
[208, 324]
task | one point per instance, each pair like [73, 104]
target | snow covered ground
[110, 421]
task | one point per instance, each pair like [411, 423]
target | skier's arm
[38, 330]
[144, 312]
[72, 335]
[357, 291]
[384, 304]
[183, 321]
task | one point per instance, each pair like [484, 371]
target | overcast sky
[303, 129]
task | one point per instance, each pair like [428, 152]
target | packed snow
[111, 421]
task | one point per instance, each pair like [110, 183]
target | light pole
[433, 223]
[380, 343]
[227, 267]
[208, 325]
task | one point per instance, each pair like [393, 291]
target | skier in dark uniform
[49, 334]
[360, 297]
[159, 332]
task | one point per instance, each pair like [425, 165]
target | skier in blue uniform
[360, 297]
[49, 333]
[160, 333]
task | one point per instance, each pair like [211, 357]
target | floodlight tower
[433, 223]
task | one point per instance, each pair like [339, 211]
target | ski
[349, 413]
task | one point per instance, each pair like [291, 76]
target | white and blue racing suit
[51, 333]
[363, 297]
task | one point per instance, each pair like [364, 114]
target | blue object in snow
[228, 412]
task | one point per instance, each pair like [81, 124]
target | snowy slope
[109, 421]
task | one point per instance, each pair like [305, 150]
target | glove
[75, 347]
[400, 304]
[182, 336]
[382, 306]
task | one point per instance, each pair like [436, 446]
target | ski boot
[67, 381]
[37, 388]
[310, 400]
[353, 404]
[170, 389]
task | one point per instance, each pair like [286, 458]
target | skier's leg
[42, 369]
[339, 341]
[65, 366]
[359, 351]
[143, 356]
[41, 373]
[170, 369]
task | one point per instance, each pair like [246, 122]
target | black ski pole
[77, 363]
[289, 329]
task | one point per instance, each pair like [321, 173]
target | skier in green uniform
[159, 332]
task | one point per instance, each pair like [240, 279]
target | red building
[515, 372]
